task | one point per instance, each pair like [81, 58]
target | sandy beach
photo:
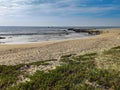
[26, 53]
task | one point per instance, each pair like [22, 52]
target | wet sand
[25, 53]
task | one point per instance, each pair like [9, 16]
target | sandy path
[16, 54]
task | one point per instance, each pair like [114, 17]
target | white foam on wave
[22, 35]
[22, 39]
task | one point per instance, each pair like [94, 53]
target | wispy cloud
[59, 8]
[49, 7]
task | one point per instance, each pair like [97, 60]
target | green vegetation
[84, 72]
[42, 62]
[8, 75]
[110, 59]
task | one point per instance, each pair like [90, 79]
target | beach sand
[26, 53]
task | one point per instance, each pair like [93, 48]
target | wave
[16, 34]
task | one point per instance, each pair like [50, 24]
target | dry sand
[26, 53]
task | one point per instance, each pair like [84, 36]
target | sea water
[20, 34]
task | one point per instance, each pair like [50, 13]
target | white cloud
[12, 7]
[25, 11]
[24, 7]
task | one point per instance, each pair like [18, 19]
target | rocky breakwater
[89, 31]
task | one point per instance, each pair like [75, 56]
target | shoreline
[51, 41]
[68, 34]
[11, 54]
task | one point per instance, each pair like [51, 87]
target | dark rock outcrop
[2, 37]
[89, 31]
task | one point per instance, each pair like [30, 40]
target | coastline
[11, 54]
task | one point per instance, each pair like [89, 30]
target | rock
[2, 37]
[92, 32]
[70, 28]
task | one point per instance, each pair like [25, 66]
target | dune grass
[77, 73]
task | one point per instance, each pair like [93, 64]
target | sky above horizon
[59, 12]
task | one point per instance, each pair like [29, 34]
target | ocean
[22, 35]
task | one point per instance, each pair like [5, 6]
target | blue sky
[60, 12]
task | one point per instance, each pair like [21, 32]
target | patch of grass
[8, 75]
[67, 56]
[113, 51]
[73, 76]
[42, 62]
[79, 73]
[116, 47]
[86, 57]
[110, 59]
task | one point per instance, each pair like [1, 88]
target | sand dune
[26, 53]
